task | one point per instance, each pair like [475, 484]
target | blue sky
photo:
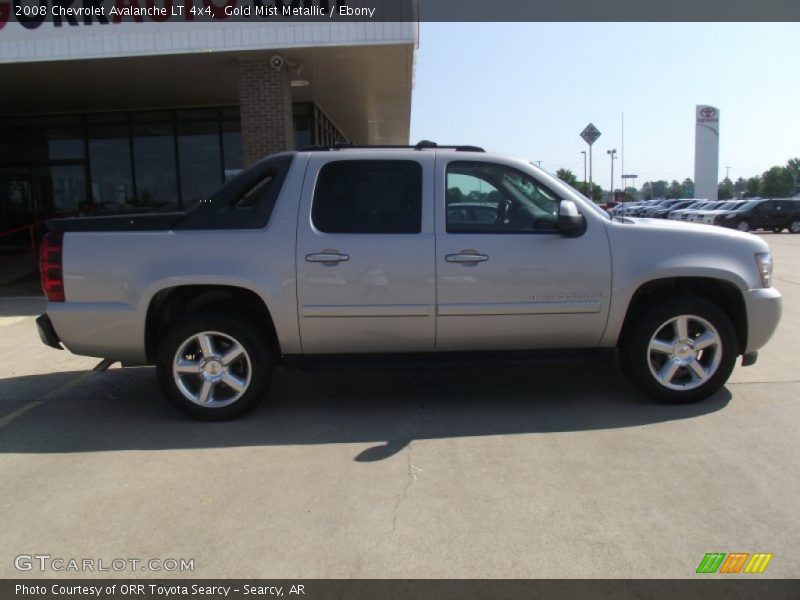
[528, 89]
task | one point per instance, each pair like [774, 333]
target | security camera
[277, 62]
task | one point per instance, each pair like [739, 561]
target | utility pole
[622, 155]
[584, 170]
[613, 154]
[728, 173]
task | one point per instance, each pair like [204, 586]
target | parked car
[638, 211]
[624, 207]
[696, 216]
[683, 213]
[663, 210]
[727, 206]
[344, 251]
[771, 214]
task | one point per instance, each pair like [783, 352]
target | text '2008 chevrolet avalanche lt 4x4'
[401, 251]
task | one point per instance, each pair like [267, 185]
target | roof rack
[421, 145]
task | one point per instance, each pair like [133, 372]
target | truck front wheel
[681, 351]
[213, 367]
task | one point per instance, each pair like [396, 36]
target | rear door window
[368, 196]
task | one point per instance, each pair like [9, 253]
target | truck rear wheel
[680, 352]
[213, 367]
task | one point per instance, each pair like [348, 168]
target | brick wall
[266, 110]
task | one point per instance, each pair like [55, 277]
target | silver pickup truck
[443, 251]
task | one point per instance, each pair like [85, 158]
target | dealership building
[155, 115]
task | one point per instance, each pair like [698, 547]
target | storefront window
[151, 160]
[110, 163]
[154, 161]
[199, 155]
[61, 189]
[301, 117]
[231, 142]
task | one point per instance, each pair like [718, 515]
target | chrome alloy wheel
[212, 369]
[684, 352]
[794, 227]
[743, 226]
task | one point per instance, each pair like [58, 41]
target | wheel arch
[173, 303]
[723, 293]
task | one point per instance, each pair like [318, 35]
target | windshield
[747, 206]
[592, 205]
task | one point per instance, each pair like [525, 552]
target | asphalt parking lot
[557, 470]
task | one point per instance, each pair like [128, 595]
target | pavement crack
[411, 477]
[787, 281]
[762, 382]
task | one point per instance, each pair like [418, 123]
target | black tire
[743, 226]
[794, 226]
[637, 359]
[224, 328]
[777, 229]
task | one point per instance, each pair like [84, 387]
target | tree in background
[631, 194]
[753, 187]
[725, 189]
[793, 164]
[778, 182]
[568, 177]
[740, 186]
[688, 188]
[654, 189]
[598, 193]
[455, 194]
[674, 190]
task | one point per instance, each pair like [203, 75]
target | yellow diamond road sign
[590, 134]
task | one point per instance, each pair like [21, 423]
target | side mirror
[570, 221]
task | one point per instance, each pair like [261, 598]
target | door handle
[466, 257]
[327, 257]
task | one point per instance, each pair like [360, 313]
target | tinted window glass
[492, 198]
[154, 163]
[112, 176]
[199, 160]
[369, 196]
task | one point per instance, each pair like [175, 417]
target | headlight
[764, 267]
[730, 216]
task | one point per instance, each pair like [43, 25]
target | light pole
[613, 154]
[584, 170]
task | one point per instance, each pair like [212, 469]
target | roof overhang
[360, 75]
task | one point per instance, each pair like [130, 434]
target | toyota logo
[708, 112]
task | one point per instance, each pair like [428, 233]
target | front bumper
[764, 308]
[47, 334]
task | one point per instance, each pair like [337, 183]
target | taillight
[50, 266]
